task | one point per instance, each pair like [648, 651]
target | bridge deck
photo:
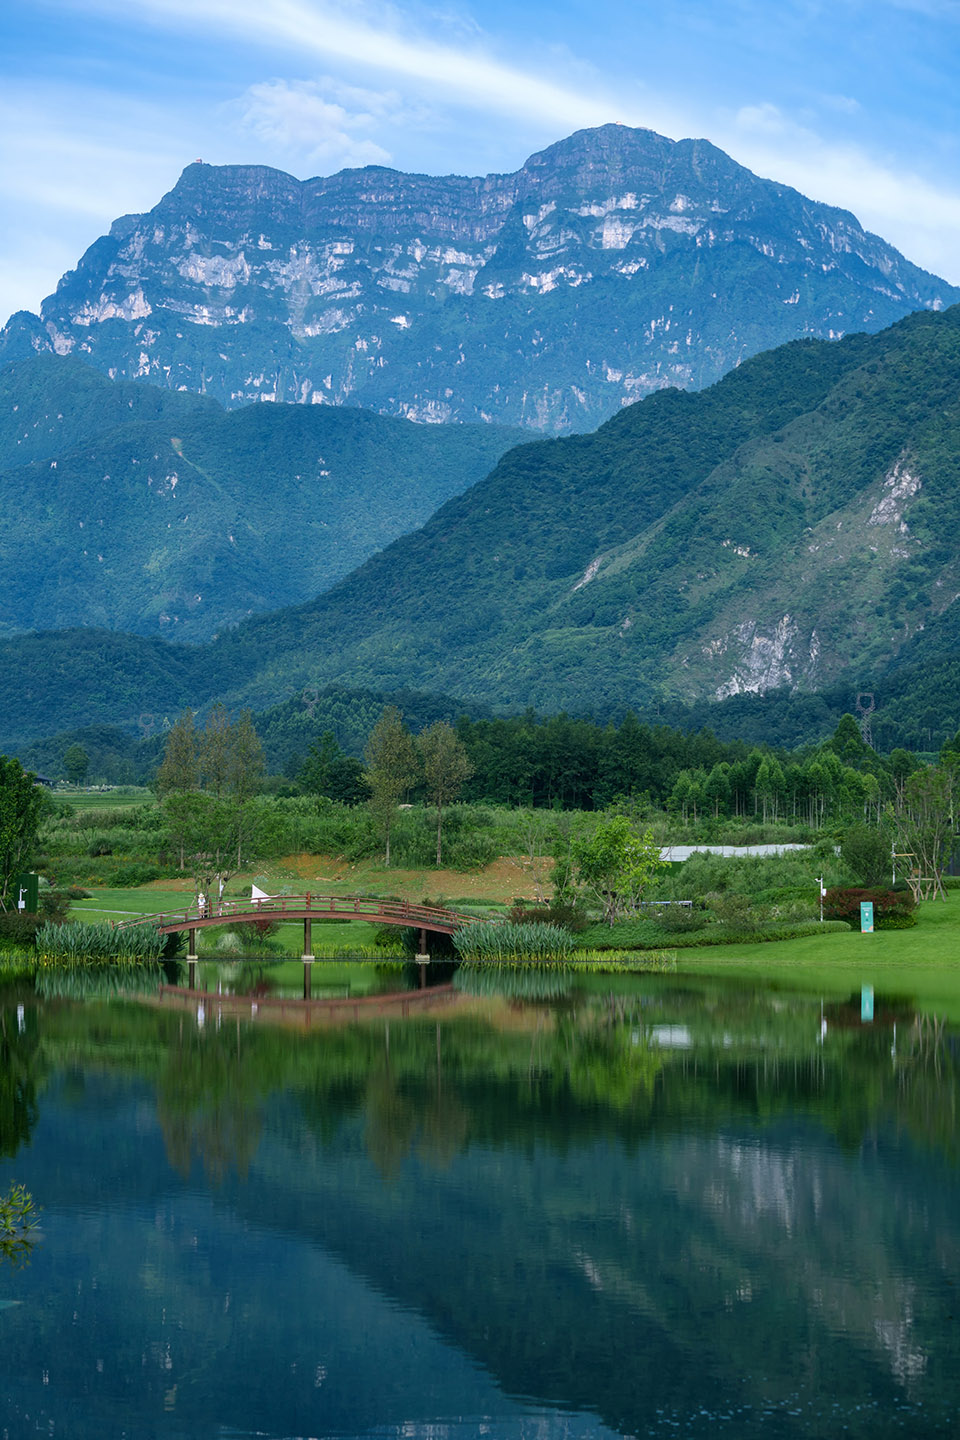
[306, 907]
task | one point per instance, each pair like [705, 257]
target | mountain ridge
[791, 527]
[611, 264]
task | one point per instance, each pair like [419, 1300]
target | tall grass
[79, 944]
[527, 943]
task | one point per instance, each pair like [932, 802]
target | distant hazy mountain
[612, 264]
[791, 528]
[136, 508]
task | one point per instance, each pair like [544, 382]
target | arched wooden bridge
[306, 908]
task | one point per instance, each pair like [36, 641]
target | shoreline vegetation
[590, 891]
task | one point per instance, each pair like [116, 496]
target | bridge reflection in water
[428, 919]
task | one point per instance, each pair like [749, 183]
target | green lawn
[922, 964]
[105, 799]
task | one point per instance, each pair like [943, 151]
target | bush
[645, 936]
[568, 917]
[844, 904]
[18, 930]
[865, 850]
[128, 876]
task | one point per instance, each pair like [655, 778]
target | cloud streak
[325, 31]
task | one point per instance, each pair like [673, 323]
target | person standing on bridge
[202, 904]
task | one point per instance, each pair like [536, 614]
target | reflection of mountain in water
[755, 1223]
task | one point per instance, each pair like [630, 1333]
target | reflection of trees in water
[428, 1117]
[18, 1075]
[209, 1102]
[583, 1064]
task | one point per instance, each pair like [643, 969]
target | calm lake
[645, 1208]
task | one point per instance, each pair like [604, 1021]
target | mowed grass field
[118, 799]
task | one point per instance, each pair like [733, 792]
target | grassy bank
[920, 965]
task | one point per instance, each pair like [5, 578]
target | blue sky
[102, 102]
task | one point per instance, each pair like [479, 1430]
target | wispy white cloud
[301, 118]
[378, 38]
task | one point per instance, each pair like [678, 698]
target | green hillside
[791, 526]
[159, 513]
[790, 529]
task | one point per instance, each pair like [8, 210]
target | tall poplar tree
[391, 760]
[446, 766]
[179, 769]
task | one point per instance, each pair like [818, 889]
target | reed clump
[509, 943]
[77, 944]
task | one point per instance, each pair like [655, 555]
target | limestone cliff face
[612, 264]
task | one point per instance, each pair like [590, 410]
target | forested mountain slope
[792, 524]
[793, 527]
[612, 264]
[160, 513]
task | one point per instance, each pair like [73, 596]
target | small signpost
[866, 917]
[28, 893]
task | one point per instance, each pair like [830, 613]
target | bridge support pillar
[191, 972]
[307, 940]
[307, 975]
[192, 943]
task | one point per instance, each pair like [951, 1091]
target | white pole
[820, 883]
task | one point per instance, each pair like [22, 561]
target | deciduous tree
[391, 769]
[76, 763]
[446, 768]
[21, 805]
[179, 769]
[616, 863]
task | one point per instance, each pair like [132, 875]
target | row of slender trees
[209, 776]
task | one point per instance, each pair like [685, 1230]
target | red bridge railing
[306, 907]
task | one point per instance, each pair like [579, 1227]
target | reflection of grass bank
[921, 964]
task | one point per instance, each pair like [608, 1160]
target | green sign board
[866, 917]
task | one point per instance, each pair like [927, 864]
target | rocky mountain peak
[611, 264]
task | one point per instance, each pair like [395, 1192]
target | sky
[103, 102]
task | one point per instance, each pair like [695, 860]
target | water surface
[681, 1209]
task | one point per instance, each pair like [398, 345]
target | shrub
[568, 917]
[896, 920]
[634, 935]
[865, 850]
[128, 876]
[844, 904]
